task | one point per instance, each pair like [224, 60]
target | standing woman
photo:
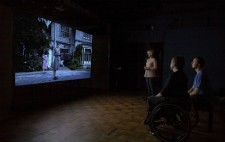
[150, 72]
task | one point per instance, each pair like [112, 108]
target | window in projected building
[87, 56]
[64, 31]
[87, 36]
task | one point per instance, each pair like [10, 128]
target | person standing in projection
[45, 61]
[56, 61]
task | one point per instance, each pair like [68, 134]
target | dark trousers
[183, 102]
[152, 102]
[151, 85]
[201, 102]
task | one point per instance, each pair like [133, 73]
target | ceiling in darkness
[117, 10]
[90, 11]
[92, 14]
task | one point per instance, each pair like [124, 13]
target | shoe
[151, 132]
[54, 78]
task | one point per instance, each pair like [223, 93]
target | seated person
[198, 91]
[175, 89]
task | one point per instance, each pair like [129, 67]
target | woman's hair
[153, 51]
[179, 62]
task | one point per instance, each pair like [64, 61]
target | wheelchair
[170, 123]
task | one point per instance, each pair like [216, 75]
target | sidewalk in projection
[26, 78]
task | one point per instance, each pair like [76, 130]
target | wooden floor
[103, 117]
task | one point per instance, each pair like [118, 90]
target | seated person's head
[177, 62]
[198, 62]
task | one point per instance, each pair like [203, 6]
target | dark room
[112, 71]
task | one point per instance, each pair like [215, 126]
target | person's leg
[149, 109]
[195, 100]
[152, 84]
[54, 75]
[152, 102]
[200, 101]
[148, 85]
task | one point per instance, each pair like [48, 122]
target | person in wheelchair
[174, 90]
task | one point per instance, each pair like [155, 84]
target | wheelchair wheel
[170, 123]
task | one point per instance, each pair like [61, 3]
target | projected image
[46, 51]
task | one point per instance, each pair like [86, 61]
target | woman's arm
[154, 65]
